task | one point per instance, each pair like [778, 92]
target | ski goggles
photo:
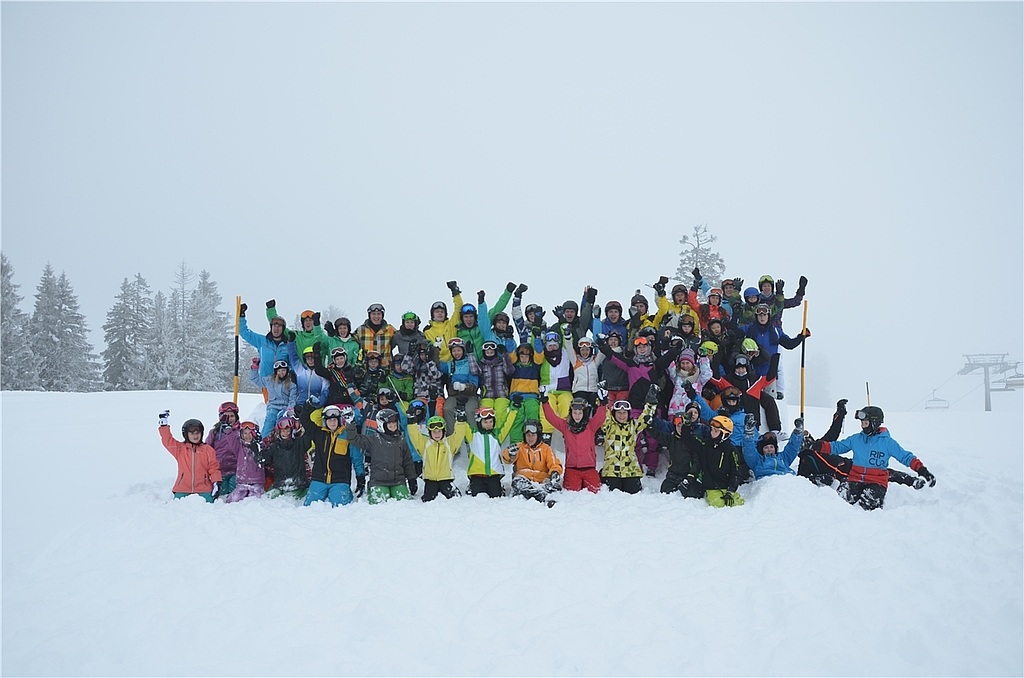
[531, 428]
[417, 404]
[277, 321]
[489, 346]
[715, 424]
[861, 415]
[306, 314]
[731, 397]
[410, 316]
[340, 351]
[435, 425]
[375, 308]
[686, 320]
[485, 412]
[586, 342]
[287, 422]
[641, 341]
[467, 308]
[249, 426]
[621, 405]
[194, 429]
[372, 355]
[278, 364]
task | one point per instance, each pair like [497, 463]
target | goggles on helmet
[489, 345]
[373, 355]
[278, 364]
[531, 427]
[435, 424]
[731, 396]
[194, 429]
[410, 316]
[287, 422]
[249, 426]
[586, 342]
[862, 415]
[227, 407]
[485, 412]
[551, 338]
[306, 314]
[339, 351]
[467, 308]
[715, 424]
[375, 307]
[641, 341]
[456, 341]
[621, 405]
[278, 320]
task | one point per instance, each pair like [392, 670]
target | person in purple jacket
[225, 442]
[249, 474]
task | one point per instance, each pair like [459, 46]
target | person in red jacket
[578, 430]
[198, 470]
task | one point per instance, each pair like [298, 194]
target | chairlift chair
[934, 403]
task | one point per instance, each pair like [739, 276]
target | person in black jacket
[284, 459]
[715, 454]
[339, 374]
[683, 466]
[333, 458]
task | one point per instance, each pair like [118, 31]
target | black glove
[691, 392]
[798, 426]
[510, 287]
[329, 329]
[696, 273]
[291, 335]
[242, 309]
[557, 310]
[816, 445]
[749, 424]
[316, 318]
[779, 286]
[802, 287]
[535, 330]
[216, 490]
[709, 391]
[419, 468]
[676, 342]
[460, 412]
[591, 295]
[271, 304]
[649, 419]
[412, 486]
[517, 400]
[663, 280]
[652, 395]
[659, 287]
[432, 392]
[543, 398]
[841, 407]
[454, 287]
[919, 483]
[316, 351]
[519, 290]
[360, 485]
[927, 475]
[480, 297]
[727, 497]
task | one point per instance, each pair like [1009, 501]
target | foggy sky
[351, 153]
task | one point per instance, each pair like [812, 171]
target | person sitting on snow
[683, 473]
[225, 441]
[715, 454]
[578, 431]
[198, 470]
[285, 456]
[621, 470]
[763, 455]
[392, 471]
[249, 474]
[334, 458]
[538, 473]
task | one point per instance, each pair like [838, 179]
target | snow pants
[529, 410]
[431, 488]
[559, 402]
[451, 404]
[628, 485]
[338, 494]
[270, 421]
[208, 496]
[689, 487]
[578, 478]
[244, 490]
[524, 487]
[227, 485]
[646, 445]
[489, 485]
[379, 494]
[869, 496]
[723, 498]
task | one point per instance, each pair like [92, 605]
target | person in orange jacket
[198, 470]
[538, 472]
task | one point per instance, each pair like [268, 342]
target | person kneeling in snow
[683, 466]
[763, 456]
[286, 455]
[719, 472]
[538, 472]
[249, 474]
[333, 457]
[868, 477]
[438, 451]
[392, 471]
[485, 469]
[621, 470]
[198, 470]
[578, 431]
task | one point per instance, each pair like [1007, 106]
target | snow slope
[104, 574]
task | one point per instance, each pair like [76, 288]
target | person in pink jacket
[578, 430]
[249, 475]
[198, 470]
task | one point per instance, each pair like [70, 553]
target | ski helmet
[768, 438]
[484, 413]
[551, 338]
[338, 351]
[749, 345]
[713, 321]
[227, 407]
[280, 364]
[533, 308]
[722, 422]
[765, 278]
[648, 333]
[439, 305]
[716, 291]
[873, 415]
[467, 309]
[586, 341]
[331, 412]
[375, 307]
[710, 347]
[387, 393]
[740, 360]
[372, 354]
[306, 314]
[751, 292]
[384, 417]
[308, 351]
[489, 346]
[570, 305]
[578, 404]
[613, 304]
[251, 427]
[191, 424]
[762, 309]
[639, 299]
[730, 393]
[409, 315]
[501, 315]
[287, 422]
[435, 423]
[456, 342]
[278, 320]
[679, 288]
[532, 426]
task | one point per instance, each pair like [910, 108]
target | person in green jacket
[311, 331]
[340, 334]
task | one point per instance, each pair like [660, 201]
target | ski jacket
[640, 376]
[769, 338]
[606, 327]
[403, 385]
[368, 382]
[682, 460]
[378, 339]
[494, 374]
[771, 464]
[814, 463]
[533, 463]
[425, 374]
[403, 339]
[620, 445]
[287, 458]
[391, 461]
[198, 469]
[556, 377]
[701, 375]
[307, 382]
[437, 455]
[778, 303]
[706, 312]
[615, 378]
[270, 349]
[717, 459]
[526, 378]
[249, 471]
[349, 343]
[476, 335]
[580, 452]
[485, 448]
[463, 375]
[338, 383]
[580, 325]
[527, 333]
[333, 456]
[585, 372]
[665, 307]
[871, 456]
[440, 333]
[303, 339]
[225, 441]
[281, 395]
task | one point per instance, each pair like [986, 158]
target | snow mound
[104, 574]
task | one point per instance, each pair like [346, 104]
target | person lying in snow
[868, 477]
[198, 470]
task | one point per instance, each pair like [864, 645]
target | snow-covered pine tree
[18, 369]
[58, 335]
[178, 340]
[211, 348]
[125, 332]
[156, 375]
[698, 254]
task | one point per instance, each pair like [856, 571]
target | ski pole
[803, 353]
[238, 316]
[867, 388]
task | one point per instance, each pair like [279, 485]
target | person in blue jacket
[280, 387]
[872, 448]
[763, 455]
[272, 346]
[308, 383]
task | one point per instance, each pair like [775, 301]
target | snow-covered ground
[104, 574]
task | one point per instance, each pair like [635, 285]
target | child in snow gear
[333, 457]
[225, 441]
[622, 469]
[438, 451]
[285, 457]
[340, 335]
[339, 375]
[249, 474]
[441, 329]
[485, 440]
[392, 472]
[198, 470]
[683, 473]
[280, 386]
[408, 333]
[463, 373]
[495, 370]
[537, 471]
[716, 456]
[578, 430]
[273, 346]
[764, 457]
[868, 478]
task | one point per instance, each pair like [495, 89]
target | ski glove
[841, 407]
[749, 425]
[454, 287]
[216, 490]
[709, 391]
[652, 395]
[556, 480]
[779, 286]
[413, 486]
[165, 417]
[597, 311]
[460, 412]
[480, 297]
[519, 290]
[271, 304]
[738, 282]
[543, 398]
[242, 309]
[256, 363]
[517, 400]
[591, 295]
[696, 273]
[727, 497]
[316, 318]
[927, 475]
[691, 392]
[360, 485]
[802, 287]
[510, 287]
[798, 426]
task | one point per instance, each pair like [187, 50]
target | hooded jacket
[778, 464]
[485, 447]
[333, 456]
[225, 441]
[270, 349]
[281, 395]
[288, 459]
[871, 456]
[392, 462]
[620, 444]
[198, 469]
[536, 464]
[580, 452]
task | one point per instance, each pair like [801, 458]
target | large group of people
[693, 379]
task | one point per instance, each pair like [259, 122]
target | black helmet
[740, 360]
[611, 305]
[676, 289]
[383, 417]
[571, 304]
[639, 299]
[192, 423]
[873, 415]
[501, 315]
[439, 305]
[532, 308]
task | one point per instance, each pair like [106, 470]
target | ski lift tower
[991, 363]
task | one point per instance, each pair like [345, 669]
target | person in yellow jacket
[622, 469]
[438, 451]
[441, 328]
[680, 304]
[485, 468]
[538, 472]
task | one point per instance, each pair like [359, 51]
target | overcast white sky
[352, 153]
